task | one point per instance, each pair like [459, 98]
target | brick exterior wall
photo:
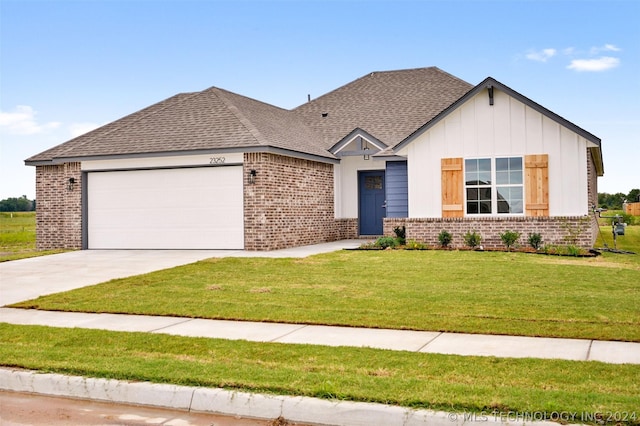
[290, 204]
[554, 230]
[347, 228]
[58, 209]
[592, 191]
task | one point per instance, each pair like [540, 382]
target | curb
[234, 403]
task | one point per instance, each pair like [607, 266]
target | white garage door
[188, 208]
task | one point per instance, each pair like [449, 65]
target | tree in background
[22, 204]
[614, 201]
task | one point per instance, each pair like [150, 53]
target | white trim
[202, 160]
[354, 138]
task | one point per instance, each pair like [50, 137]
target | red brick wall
[58, 209]
[290, 204]
[592, 191]
[554, 230]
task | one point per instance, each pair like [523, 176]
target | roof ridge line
[369, 74]
[239, 115]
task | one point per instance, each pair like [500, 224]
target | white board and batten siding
[160, 203]
[508, 128]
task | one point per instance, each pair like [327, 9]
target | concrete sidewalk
[400, 340]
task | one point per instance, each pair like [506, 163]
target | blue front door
[372, 202]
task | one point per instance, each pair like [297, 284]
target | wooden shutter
[452, 187]
[536, 185]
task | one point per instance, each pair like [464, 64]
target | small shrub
[415, 245]
[573, 250]
[509, 238]
[563, 250]
[628, 219]
[472, 239]
[386, 242]
[401, 234]
[535, 240]
[551, 249]
[444, 238]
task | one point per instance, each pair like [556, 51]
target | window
[373, 182]
[494, 186]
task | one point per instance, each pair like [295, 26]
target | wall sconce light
[71, 183]
[252, 176]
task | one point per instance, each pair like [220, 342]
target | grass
[18, 236]
[504, 293]
[441, 382]
[456, 291]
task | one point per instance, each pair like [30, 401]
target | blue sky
[69, 66]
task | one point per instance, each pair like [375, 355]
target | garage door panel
[196, 208]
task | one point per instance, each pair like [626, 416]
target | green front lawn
[441, 382]
[18, 236]
[458, 291]
[504, 293]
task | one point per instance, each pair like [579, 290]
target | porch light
[365, 148]
[71, 184]
[252, 176]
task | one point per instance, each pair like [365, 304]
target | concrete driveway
[29, 278]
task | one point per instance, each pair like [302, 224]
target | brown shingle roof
[211, 119]
[389, 105]
[91, 138]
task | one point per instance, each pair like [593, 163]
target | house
[418, 148]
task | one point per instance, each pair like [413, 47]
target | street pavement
[28, 409]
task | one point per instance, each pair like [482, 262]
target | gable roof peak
[492, 83]
[389, 105]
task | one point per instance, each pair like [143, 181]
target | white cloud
[590, 64]
[605, 48]
[77, 129]
[542, 55]
[22, 121]
[600, 64]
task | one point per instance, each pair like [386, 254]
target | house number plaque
[216, 160]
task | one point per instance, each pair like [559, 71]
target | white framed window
[494, 186]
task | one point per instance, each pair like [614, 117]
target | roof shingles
[389, 105]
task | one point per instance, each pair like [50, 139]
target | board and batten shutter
[537, 185]
[452, 187]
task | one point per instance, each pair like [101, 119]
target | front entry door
[372, 202]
